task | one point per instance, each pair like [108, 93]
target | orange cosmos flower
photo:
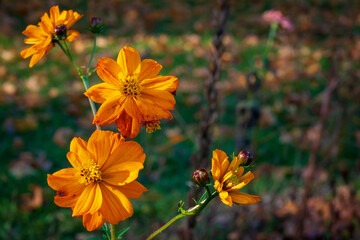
[101, 180]
[42, 35]
[133, 92]
[228, 180]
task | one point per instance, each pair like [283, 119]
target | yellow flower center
[131, 86]
[231, 182]
[152, 126]
[90, 174]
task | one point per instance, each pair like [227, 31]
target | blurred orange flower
[133, 92]
[228, 180]
[42, 35]
[101, 179]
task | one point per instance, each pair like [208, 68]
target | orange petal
[115, 140]
[225, 198]
[108, 70]
[72, 35]
[149, 69]
[79, 148]
[122, 173]
[167, 83]
[133, 110]
[150, 111]
[243, 198]
[116, 206]
[89, 201]
[101, 92]
[129, 61]
[223, 161]
[215, 167]
[67, 186]
[54, 13]
[99, 146]
[128, 126]
[109, 111]
[93, 221]
[126, 151]
[234, 164]
[133, 190]
[36, 57]
[160, 98]
[46, 23]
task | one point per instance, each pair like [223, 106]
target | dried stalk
[208, 118]
[312, 163]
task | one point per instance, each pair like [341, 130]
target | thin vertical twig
[221, 13]
[208, 112]
[312, 163]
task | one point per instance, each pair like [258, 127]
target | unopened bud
[245, 158]
[201, 177]
[96, 25]
[60, 32]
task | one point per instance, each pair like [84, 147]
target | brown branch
[312, 163]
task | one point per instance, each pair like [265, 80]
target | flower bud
[96, 25]
[201, 177]
[245, 158]
[60, 32]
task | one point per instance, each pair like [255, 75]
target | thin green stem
[92, 55]
[271, 38]
[190, 212]
[113, 230]
[84, 78]
[157, 232]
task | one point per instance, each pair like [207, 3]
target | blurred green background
[276, 119]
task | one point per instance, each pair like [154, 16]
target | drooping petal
[122, 173]
[125, 152]
[149, 69]
[93, 221]
[133, 110]
[99, 146]
[166, 83]
[36, 57]
[129, 127]
[101, 92]
[108, 70]
[133, 190]
[89, 201]
[243, 198]
[225, 198]
[109, 111]
[116, 206]
[129, 61]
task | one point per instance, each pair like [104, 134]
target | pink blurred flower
[274, 16]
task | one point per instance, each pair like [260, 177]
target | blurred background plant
[305, 106]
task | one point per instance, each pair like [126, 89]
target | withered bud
[201, 177]
[245, 158]
[60, 32]
[96, 25]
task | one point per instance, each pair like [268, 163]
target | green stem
[92, 55]
[190, 212]
[113, 230]
[84, 78]
[271, 38]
